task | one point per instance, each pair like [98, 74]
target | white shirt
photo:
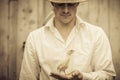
[45, 50]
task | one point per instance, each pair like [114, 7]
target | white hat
[67, 1]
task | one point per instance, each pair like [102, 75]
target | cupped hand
[74, 75]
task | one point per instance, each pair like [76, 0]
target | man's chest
[53, 52]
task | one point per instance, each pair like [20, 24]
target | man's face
[65, 12]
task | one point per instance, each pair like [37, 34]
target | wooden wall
[19, 17]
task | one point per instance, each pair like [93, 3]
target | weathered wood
[41, 12]
[114, 22]
[4, 39]
[103, 14]
[82, 10]
[93, 11]
[15, 27]
[12, 43]
[27, 22]
[48, 9]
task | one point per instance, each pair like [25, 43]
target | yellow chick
[64, 65]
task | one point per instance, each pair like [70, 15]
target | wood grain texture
[19, 17]
[12, 42]
[27, 21]
[41, 12]
[4, 39]
[93, 11]
[82, 11]
[114, 26]
[103, 15]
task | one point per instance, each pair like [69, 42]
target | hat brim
[67, 1]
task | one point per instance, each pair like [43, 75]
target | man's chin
[66, 21]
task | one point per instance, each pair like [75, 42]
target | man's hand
[75, 75]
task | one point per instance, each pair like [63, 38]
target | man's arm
[30, 66]
[102, 63]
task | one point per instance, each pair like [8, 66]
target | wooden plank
[27, 22]
[83, 11]
[48, 12]
[41, 12]
[103, 15]
[12, 43]
[4, 39]
[93, 11]
[115, 33]
[47, 7]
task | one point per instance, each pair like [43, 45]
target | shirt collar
[50, 25]
[79, 24]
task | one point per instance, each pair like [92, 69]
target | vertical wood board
[12, 42]
[114, 21]
[4, 39]
[103, 15]
[93, 11]
[27, 21]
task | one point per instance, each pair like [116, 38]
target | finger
[60, 76]
[80, 76]
[75, 73]
[57, 77]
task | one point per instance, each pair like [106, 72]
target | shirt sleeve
[30, 67]
[102, 64]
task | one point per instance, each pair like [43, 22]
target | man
[67, 48]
